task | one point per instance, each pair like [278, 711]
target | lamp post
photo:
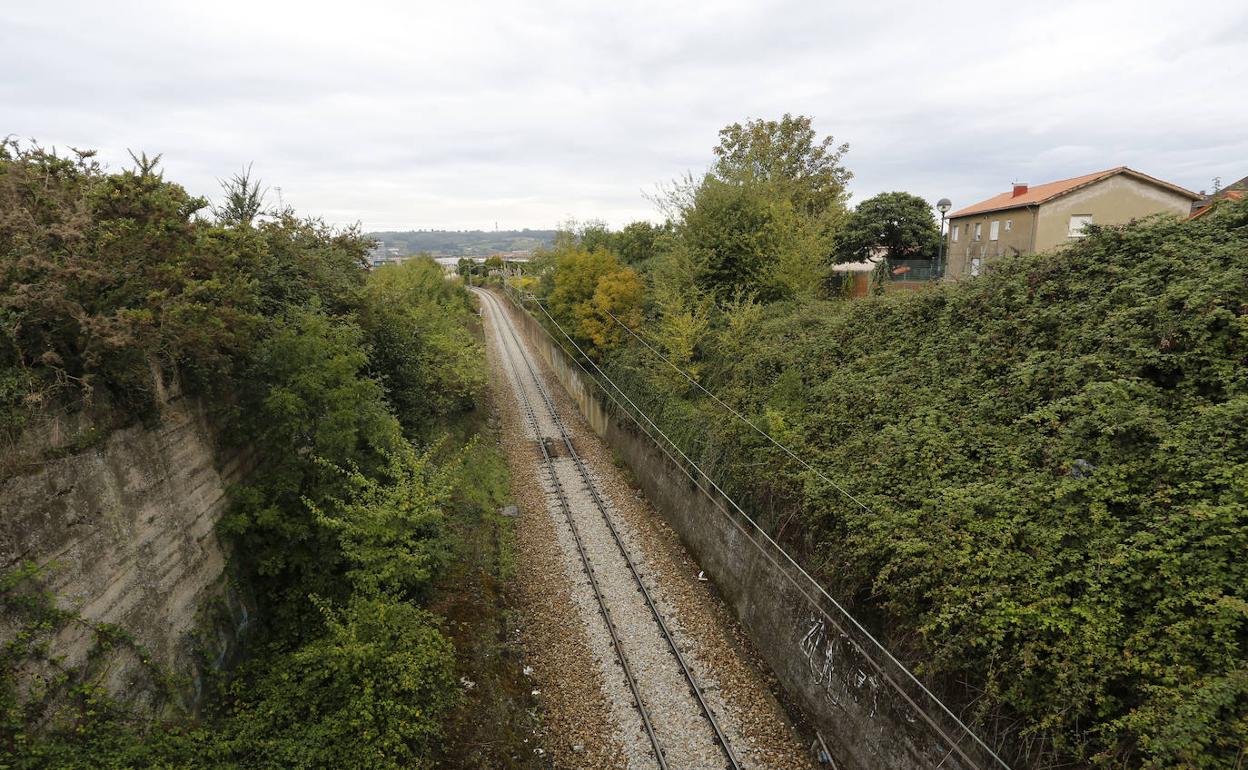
[943, 205]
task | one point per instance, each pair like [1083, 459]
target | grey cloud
[458, 115]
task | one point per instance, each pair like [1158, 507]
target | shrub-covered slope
[1055, 459]
[338, 380]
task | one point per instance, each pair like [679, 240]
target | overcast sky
[462, 114]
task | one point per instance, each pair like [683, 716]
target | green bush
[414, 321]
[105, 276]
[1055, 461]
[390, 529]
[325, 376]
[369, 693]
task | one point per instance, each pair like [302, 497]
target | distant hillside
[476, 243]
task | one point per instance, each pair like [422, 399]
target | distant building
[1236, 191]
[1028, 219]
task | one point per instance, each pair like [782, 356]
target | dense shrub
[368, 693]
[104, 276]
[588, 287]
[327, 376]
[390, 527]
[414, 322]
[1055, 461]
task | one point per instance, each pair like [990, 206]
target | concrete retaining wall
[870, 714]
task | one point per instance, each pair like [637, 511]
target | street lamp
[943, 205]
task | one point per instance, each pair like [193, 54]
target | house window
[1077, 223]
[975, 263]
[979, 231]
[994, 230]
[1009, 225]
[954, 231]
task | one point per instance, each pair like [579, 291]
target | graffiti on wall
[829, 653]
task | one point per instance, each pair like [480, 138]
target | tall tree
[618, 294]
[594, 235]
[590, 286]
[787, 155]
[638, 241]
[762, 220]
[895, 225]
[732, 234]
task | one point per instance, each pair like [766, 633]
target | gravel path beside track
[592, 720]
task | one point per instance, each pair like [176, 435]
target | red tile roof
[1227, 195]
[1042, 193]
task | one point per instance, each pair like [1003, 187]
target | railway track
[550, 432]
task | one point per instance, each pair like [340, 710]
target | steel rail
[591, 486]
[561, 496]
[754, 527]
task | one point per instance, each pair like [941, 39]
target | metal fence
[915, 270]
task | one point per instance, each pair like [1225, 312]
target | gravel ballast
[591, 719]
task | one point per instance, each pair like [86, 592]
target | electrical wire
[793, 563]
[742, 417]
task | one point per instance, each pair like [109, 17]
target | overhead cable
[793, 563]
[742, 417]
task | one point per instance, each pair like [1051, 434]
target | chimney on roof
[1020, 188]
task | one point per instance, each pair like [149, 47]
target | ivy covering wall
[1054, 463]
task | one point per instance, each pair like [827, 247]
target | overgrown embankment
[1052, 461]
[353, 393]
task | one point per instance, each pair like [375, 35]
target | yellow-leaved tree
[590, 287]
[619, 294]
